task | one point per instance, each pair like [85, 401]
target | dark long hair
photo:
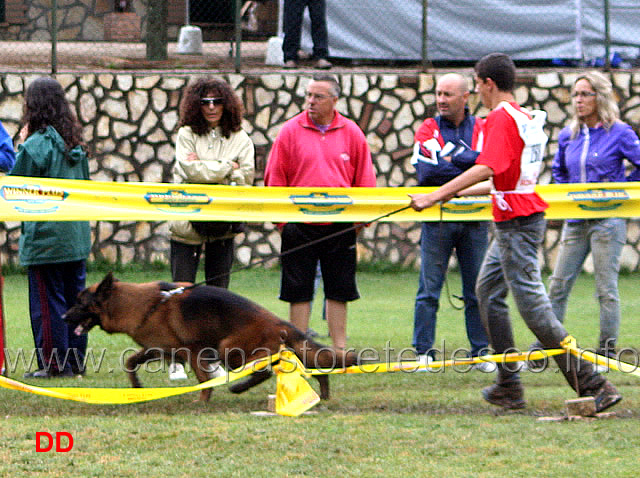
[46, 105]
[191, 114]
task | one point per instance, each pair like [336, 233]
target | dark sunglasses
[211, 101]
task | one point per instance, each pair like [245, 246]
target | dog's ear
[105, 287]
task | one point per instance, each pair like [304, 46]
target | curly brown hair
[46, 105]
[191, 113]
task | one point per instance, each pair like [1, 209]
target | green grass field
[400, 424]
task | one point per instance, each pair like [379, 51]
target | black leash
[297, 248]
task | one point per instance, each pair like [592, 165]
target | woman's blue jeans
[604, 239]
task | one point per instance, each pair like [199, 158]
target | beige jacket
[214, 166]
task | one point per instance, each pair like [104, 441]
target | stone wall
[130, 123]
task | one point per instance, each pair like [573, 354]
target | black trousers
[218, 259]
[292, 26]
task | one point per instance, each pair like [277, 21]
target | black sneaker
[606, 396]
[509, 396]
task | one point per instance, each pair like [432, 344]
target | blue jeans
[438, 240]
[511, 264]
[604, 238]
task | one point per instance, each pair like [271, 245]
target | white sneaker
[215, 370]
[485, 367]
[423, 360]
[176, 372]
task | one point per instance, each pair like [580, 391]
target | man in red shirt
[320, 148]
[511, 157]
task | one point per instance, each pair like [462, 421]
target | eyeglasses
[211, 101]
[583, 94]
[316, 96]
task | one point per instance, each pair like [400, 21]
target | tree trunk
[157, 11]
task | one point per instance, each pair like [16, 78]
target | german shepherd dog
[199, 325]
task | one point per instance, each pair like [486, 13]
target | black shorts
[337, 258]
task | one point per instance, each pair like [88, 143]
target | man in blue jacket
[445, 146]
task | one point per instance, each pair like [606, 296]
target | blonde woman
[593, 149]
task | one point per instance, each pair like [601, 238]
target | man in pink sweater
[320, 148]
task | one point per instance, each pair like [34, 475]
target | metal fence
[236, 34]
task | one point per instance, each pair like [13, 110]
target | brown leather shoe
[509, 396]
[606, 396]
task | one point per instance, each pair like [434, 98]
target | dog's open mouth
[84, 327]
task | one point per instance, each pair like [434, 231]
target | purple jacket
[595, 155]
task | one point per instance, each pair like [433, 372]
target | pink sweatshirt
[304, 156]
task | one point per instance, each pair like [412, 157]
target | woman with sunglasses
[592, 149]
[211, 148]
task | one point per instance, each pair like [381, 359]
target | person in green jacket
[54, 252]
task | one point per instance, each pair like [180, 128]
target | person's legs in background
[574, 248]
[48, 301]
[319, 33]
[436, 245]
[76, 274]
[471, 248]
[338, 264]
[218, 260]
[184, 259]
[607, 239]
[317, 283]
[292, 27]
[298, 272]
[299, 313]
[337, 322]
[471, 245]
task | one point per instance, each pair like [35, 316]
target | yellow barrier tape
[570, 344]
[46, 199]
[412, 366]
[118, 396]
[294, 395]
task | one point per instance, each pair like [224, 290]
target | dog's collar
[166, 294]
